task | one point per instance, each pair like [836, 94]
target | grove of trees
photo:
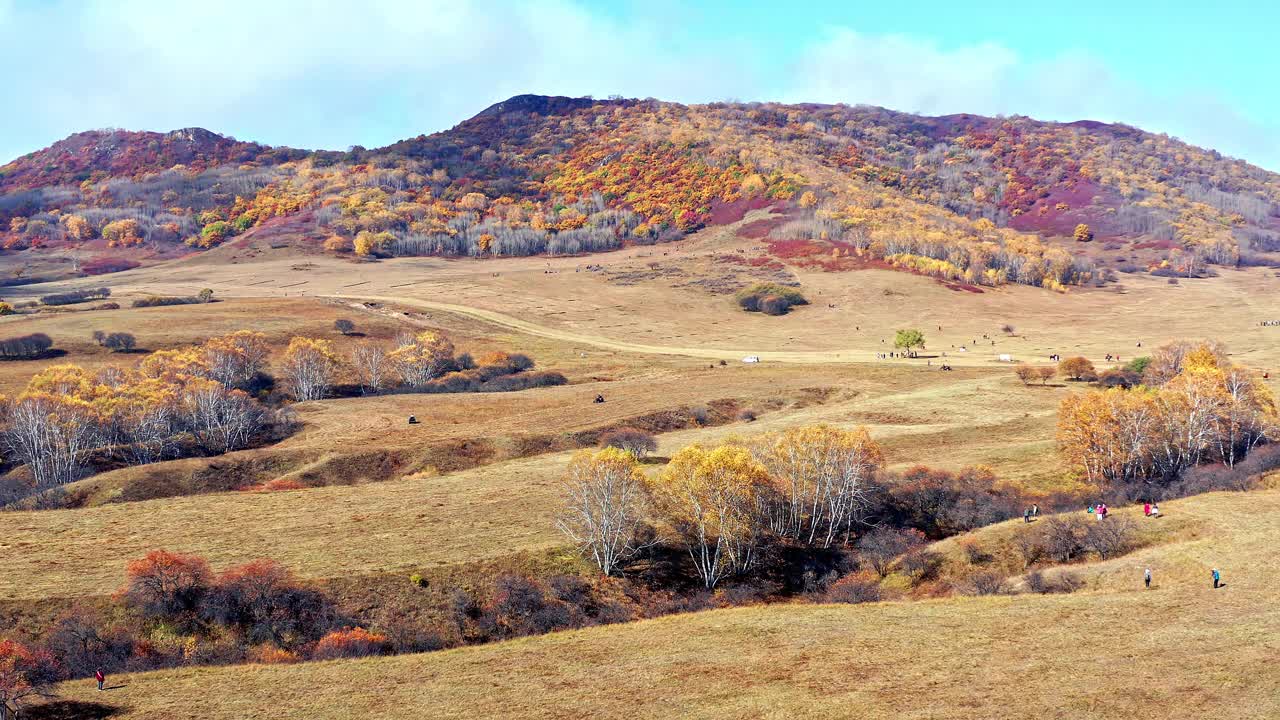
[1194, 406]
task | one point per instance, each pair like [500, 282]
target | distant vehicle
[751, 359]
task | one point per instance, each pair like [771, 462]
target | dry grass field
[642, 328]
[1178, 650]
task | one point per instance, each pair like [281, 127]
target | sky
[322, 74]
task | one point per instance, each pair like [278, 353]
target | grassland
[1180, 649]
[475, 481]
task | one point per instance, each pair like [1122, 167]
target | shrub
[75, 296]
[262, 601]
[105, 265]
[350, 643]
[344, 326]
[747, 415]
[883, 545]
[1111, 537]
[167, 586]
[854, 589]
[25, 347]
[205, 295]
[161, 300]
[637, 442]
[418, 581]
[1119, 378]
[1062, 582]
[1064, 538]
[769, 298]
[6, 308]
[985, 582]
[941, 503]
[119, 342]
[268, 654]
[1077, 368]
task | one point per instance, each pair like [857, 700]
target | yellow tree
[308, 367]
[709, 498]
[235, 359]
[421, 358]
[821, 477]
[603, 495]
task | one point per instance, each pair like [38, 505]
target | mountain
[969, 198]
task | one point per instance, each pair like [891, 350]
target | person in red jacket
[100, 677]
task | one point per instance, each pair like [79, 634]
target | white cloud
[917, 75]
[320, 73]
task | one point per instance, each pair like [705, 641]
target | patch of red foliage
[760, 229]
[101, 153]
[1155, 245]
[108, 264]
[791, 249]
[723, 213]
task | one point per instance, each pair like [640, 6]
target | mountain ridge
[555, 174]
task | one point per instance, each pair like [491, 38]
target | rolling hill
[967, 198]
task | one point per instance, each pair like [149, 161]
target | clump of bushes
[769, 298]
[75, 296]
[633, 440]
[161, 300]
[25, 347]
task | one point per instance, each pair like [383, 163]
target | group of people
[1150, 509]
[1099, 511]
[1031, 512]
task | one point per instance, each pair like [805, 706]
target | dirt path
[514, 323]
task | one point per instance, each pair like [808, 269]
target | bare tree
[52, 436]
[221, 420]
[883, 545]
[635, 441]
[308, 367]
[603, 506]
[369, 359]
[120, 342]
[344, 326]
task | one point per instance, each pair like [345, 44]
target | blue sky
[332, 74]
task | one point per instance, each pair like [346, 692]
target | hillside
[1112, 650]
[971, 199]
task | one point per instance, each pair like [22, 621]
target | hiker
[1026, 515]
[1147, 578]
[1146, 509]
[599, 398]
[102, 678]
[1035, 510]
[1090, 510]
[1155, 509]
[1217, 579]
[413, 419]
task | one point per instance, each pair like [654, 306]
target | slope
[1177, 650]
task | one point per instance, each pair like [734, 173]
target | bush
[941, 503]
[1112, 536]
[769, 298]
[1063, 582]
[75, 296]
[637, 442]
[105, 265]
[25, 347]
[120, 342]
[1077, 368]
[161, 300]
[167, 586]
[854, 589]
[1120, 378]
[747, 415]
[985, 582]
[350, 643]
[6, 308]
[1064, 538]
[344, 326]
[883, 545]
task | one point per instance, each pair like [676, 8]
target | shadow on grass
[71, 710]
